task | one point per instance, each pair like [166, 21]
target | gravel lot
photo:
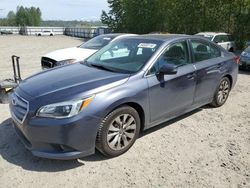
[209, 147]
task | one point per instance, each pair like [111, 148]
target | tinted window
[215, 52]
[221, 38]
[176, 54]
[203, 51]
[230, 38]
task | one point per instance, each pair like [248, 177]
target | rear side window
[204, 51]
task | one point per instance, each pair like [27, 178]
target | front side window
[127, 55]
[176, 54]
[204, 51]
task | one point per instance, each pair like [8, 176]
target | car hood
[76, 53]
[71, 80]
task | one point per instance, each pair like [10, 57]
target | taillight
[237, 59]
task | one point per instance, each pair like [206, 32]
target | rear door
[209, 65]
[174, 93]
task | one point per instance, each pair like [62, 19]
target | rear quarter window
[202, 50]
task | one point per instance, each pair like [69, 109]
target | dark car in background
[107, 100]
[245, 59]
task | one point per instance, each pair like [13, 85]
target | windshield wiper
[101, 67]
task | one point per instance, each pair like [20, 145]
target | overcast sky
[59, 9]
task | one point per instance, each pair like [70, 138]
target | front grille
[20, 107]
[47, 62]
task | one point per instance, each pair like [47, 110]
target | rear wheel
[222, 92]
[118, 131]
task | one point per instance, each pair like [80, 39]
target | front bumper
[58, 138]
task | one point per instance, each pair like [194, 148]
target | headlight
[65, 62]
[64, 109]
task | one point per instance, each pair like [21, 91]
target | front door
[173, 94]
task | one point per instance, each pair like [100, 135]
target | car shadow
[13, 151]
[245, 72]
[170, 122]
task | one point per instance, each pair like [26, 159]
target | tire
[231, 50]
[39, 35]
[222, 92]
[114, 136]
[51, 34]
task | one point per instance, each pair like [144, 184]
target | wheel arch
[231, 49]
[230, 79]
[135, 106]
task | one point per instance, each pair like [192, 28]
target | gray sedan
[128, 86]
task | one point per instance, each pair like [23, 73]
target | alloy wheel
[121, 131]
[223, 92]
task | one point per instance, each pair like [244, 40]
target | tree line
[180, 16]
[23, 17]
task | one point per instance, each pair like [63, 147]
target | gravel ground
[209, 147]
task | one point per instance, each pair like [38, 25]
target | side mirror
[168, 69]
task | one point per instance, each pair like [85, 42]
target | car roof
[212, 33]
[113, 35]
[164, 37]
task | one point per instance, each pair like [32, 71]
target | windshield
[97, 42]
[126, 55]
[247, 49]
[209, 37]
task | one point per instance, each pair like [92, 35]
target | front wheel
[222, 92]
[118, 131]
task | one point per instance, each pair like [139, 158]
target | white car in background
[45, 33]
[79, 53]
[225, 40]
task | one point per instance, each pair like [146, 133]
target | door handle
[191, 76]
[219, 65]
